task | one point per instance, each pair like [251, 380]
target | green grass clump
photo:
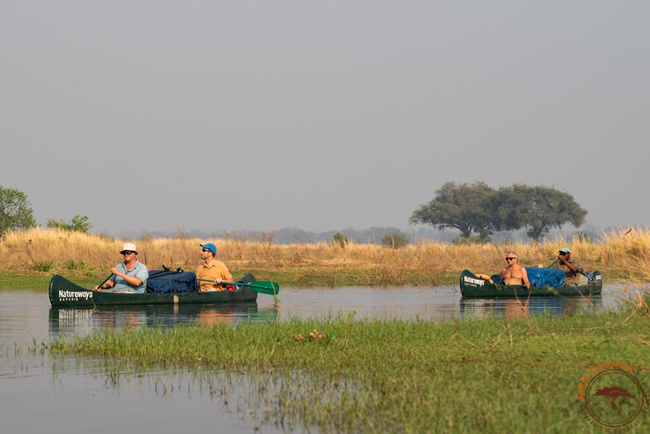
[342, 374]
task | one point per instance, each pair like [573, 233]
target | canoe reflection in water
[76, 321]
[519, 308]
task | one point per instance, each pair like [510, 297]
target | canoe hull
[64, 293]
[472, 286]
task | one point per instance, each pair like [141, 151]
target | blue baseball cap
[565, 250]
[210, 246]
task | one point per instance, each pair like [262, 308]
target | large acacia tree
[477, 207]
[536, 208]
[15, 211]
[466, 207]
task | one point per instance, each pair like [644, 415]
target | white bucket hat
[129, 246]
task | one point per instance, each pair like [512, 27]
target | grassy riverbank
[341, 374]
[33, 256]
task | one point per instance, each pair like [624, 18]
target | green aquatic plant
[347, 322]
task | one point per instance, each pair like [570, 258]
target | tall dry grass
[624, 255]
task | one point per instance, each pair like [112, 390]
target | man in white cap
[129, 276]
[212, 269]
[571, 267]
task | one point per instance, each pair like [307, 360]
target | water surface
[39, 393]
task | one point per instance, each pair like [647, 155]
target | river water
[39, 393]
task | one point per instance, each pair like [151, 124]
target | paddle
[99, 287]
[269, 288]
[553, 263]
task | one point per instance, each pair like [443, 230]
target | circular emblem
[614, 397]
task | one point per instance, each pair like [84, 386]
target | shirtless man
[514, 274]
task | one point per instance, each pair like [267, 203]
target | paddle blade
[269, 288]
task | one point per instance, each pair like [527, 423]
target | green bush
[395, 240]
[44, 266]
[340, 239]
[482, 238]
[72, 264]
[15, 211]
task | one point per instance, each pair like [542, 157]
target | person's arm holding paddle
[106, 284]
[224, 277]
[131, 280]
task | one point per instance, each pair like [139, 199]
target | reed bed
[344, 375]
[624, 255]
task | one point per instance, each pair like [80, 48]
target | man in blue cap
[212, 269]
[571, 267]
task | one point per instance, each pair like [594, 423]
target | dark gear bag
[171, 282]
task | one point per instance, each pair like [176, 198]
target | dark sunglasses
[510, 259]
[562, 253]
[206, 250]
[127, 252]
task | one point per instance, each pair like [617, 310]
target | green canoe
[472, 286]
[64, 293]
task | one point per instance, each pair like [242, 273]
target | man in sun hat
[212, 269]
[129, 276]
[571, 267]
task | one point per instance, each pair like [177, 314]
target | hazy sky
[321, 115]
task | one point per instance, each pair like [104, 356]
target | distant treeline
[372, 235]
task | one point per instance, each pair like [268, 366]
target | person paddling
[571, 267]
[212, 269]
[514, 274]
[129, 276]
